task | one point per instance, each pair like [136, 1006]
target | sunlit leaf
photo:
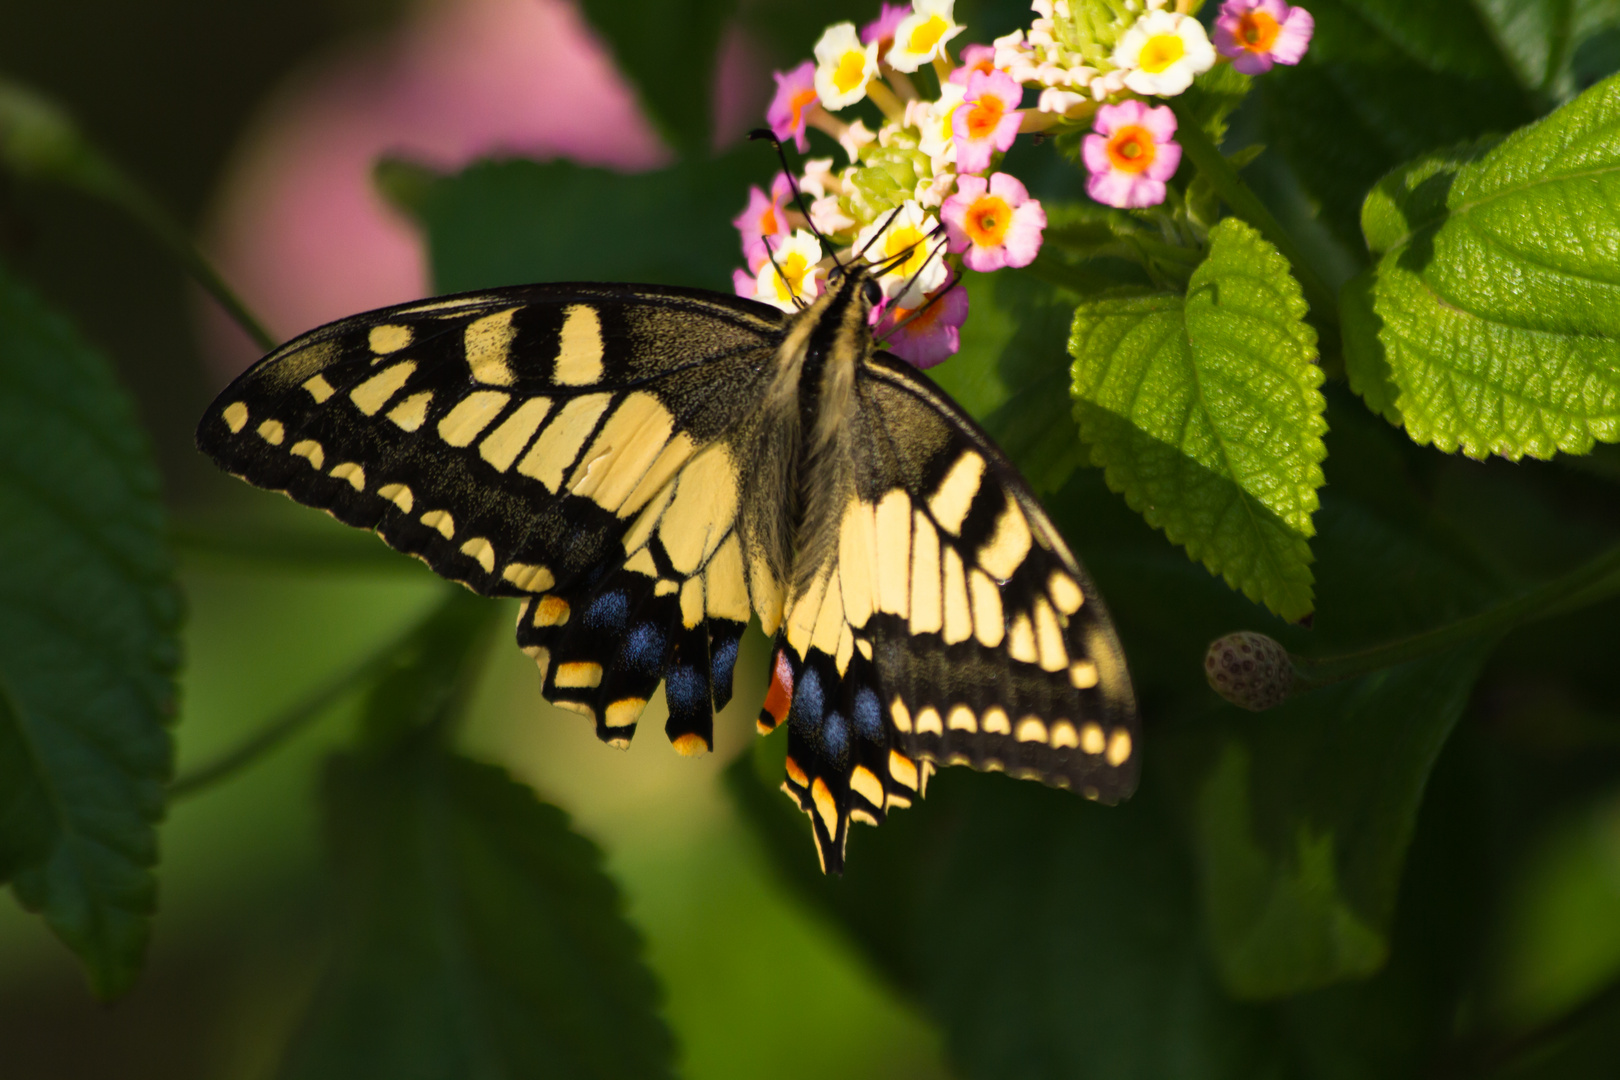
[1205, 414]
[1498, 291]
[88, 648]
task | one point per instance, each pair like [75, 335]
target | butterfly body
[649, 467]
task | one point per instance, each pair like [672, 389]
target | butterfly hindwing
[563, 443]
[948, 623]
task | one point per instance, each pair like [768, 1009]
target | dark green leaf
[511, 222]
[668, 50]
[1214, 96]
[1205, 414]
[478, 936]
[1303, 820]
[1047, 936]
[431, 674]
[1496, 289]
[89, 615]
[1440, 35]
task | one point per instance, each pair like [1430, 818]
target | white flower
[1061, 102]
[843, 66]
[1162, 52]
[921, 36]
[910, 232]
[937, 138]
[854, 137]
[829, 217]
[793, 271]
[818, 177]
[931, 193]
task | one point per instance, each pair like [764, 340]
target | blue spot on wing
[835, 735]
[685, 690]
[808, 702]
[607, 611]
[644, 648]
[723, 659]
[868, 714]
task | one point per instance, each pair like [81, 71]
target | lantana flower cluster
[923, 195]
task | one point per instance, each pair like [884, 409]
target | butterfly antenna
[792, 292]
[920, 312]
[769, 136]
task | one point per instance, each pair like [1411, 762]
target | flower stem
[1247, 205]
[1591, 583]
[38, 139]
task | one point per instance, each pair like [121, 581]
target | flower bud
[1250, 670]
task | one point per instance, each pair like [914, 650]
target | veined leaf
[1205, 414]
[478, 935]
[1497, 289]
[89, 614]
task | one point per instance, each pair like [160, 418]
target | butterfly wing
[562, 443]
[946, 623]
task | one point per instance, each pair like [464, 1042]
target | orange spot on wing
[780, 694]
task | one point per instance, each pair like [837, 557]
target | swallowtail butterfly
[646, 467]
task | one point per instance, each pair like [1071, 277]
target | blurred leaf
[432, 671]
[1047, 936]
[511, 222]
[1214, 96]
[1205, 414]
[88, 644]
[1441, 35]
[478, 936]
[1540, 38]
[1302, 824]
[1496, 288]
[1344, 125]
[670, 52]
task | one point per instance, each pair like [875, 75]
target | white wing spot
[236, 417]
[442, 521]
[319, 388]
[272, 432]
[481, 551]
[954, 496]
[352, 472]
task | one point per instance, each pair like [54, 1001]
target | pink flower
[795, 97]
[986, 121]
[744, 284]
[993, 223]
[981, 58]
[765, 216]
[925, 335]
[1131, 154]
[882, 28]
[1259, 33]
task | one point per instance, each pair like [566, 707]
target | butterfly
[648, 467]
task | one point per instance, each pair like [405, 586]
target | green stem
[1595, 581]
[1209, 160]
[295, 719]
[38, 138]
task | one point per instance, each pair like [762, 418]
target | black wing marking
[564, 443]
[954, 626]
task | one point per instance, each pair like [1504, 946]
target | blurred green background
[1508, 914]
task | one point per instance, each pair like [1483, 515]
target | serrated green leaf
[1498, 290]
[1205, 414]
[669, 51]
[89, 615]
[478, 936]
[1214, 96]
[1303, 821]
[501, 223]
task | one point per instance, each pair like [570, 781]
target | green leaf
[1440, 35]
[1046, 936]
[478, 936]
[669, 51]
[1303, 821]
[1497, 291]
[508, 222]
[89, 615]
[1205, 414]
[1214, 96]
[1541, 38]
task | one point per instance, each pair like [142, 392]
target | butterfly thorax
[806, 427]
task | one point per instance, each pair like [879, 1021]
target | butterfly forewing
[564, 443]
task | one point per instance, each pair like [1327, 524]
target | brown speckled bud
[1250, 670]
